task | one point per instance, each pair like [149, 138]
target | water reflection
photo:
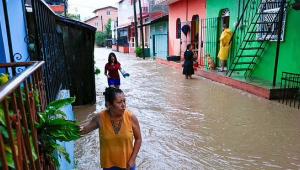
[197, 124]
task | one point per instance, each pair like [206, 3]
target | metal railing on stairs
[257, 26]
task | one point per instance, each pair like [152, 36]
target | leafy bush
[100, 39]
[97, 71]
[54, 126]
[139, 52]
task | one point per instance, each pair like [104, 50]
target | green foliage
[101, 37]
[107, 29]
[97, 71]
[6, 140]
[54, 126]
[139, 52]
[73, 16]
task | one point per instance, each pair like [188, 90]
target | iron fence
[64, 45]
[290, 85]
[49, 42]
[20, 100]
[209, 39]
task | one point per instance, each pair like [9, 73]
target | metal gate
[209, 39]
[160, 45]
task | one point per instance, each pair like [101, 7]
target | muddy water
[196, 124]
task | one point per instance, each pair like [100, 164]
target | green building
[255, 24]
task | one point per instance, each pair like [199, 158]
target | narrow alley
[196, 124]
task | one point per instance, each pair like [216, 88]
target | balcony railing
[21, 98]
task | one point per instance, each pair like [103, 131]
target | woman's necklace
[116, 124]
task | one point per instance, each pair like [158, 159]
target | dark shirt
[113, 70]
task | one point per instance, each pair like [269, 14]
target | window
[178, 28]
[145, 9]
[269, 20]
[108, 12]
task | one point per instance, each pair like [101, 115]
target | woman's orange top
[115, 149]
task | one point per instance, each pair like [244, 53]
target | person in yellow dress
[119, 132]
[224, 46]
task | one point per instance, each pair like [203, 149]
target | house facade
[58, 6]
[126, 30]
[159, 21]
[102, 17]
[36, 67]
[257, 58]
[185, 14]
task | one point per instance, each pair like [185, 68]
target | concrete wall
[125, 13]
[69, 146]
[107, 13]
[185, 10]
[95, 22]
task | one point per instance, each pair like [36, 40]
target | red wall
[183, 9]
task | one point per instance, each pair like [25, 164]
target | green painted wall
[289, 58]
[290, 48]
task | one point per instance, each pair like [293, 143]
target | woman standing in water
[111, 70]
[119, 132]
[188, 68]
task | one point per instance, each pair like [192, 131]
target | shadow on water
[196, 124]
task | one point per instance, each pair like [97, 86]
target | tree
[101, 37]
[107, 29]
[73, 16]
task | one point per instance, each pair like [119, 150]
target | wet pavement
[195, 124]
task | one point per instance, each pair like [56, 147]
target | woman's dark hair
[110, 58]
[188, 46]
[110, 94]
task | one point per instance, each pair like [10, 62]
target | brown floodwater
[195, 124]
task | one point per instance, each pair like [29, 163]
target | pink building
[185, 13]
[102, 16]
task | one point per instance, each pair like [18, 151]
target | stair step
[247, 56]
[257, 32]
[256, 40]
[240, 69]
[268, 13]
[241, 63]
[261, 23]
[252, 48]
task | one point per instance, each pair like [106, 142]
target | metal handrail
[239, 21]
[14, 83]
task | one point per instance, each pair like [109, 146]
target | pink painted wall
[185, 10]
[93, 22]
[96, 22]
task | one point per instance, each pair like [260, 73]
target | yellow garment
[224, 44]
[115, 149]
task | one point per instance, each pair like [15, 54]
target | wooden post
[141, 28]
[136, 44]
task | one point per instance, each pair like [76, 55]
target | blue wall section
[69, 146]
[18, 30]
[4, 49]
[160, 31]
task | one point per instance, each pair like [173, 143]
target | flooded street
[196, 124]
